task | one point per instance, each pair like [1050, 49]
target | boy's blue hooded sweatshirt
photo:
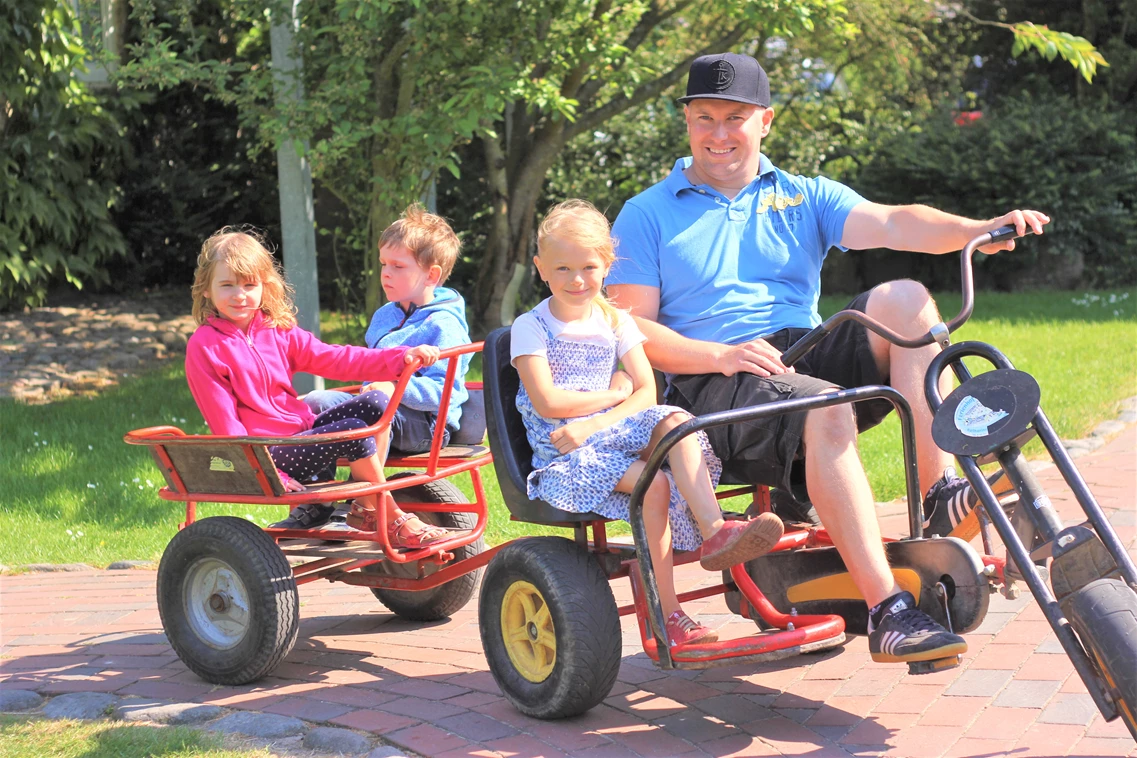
[441, 322]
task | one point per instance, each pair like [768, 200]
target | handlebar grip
[1004, 233]
[797, 351]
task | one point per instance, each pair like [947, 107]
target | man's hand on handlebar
[757, 357]
[1024, 222]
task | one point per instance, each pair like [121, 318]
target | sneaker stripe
[959, 507]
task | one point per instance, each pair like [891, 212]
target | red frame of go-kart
[435, 464]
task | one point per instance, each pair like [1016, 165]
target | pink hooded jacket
[242, 383]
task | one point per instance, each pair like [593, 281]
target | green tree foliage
[59, 152]
[580, 64]
[1108, 30]
[1034, 149]
[835, 99]
[1046, 138]
[190, 167]
[393, 87]
[390, 89]
[189, 170]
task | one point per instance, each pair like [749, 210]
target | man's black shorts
[764, 451]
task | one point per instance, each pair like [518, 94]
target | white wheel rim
[216, 603]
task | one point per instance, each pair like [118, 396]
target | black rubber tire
[585, 621]
[272, 611]
[1104, 615]
[444, 600]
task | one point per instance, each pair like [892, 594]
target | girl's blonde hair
[579, 221]
[244, 251]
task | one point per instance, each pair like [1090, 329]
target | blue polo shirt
[729, 271]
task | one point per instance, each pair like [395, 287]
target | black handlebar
[797, 350]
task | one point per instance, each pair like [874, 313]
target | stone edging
[1104, 431]
[273, 731]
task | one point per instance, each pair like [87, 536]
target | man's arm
[673, 353]
[923, 229]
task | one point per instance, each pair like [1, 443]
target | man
[720, 262]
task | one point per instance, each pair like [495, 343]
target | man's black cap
[728, 76]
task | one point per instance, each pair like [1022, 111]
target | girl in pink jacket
[240, 362]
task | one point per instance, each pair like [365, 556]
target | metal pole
[297, 212]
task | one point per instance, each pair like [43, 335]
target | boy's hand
[428, 354]
[572, 435]
[387, 388]
[622, 383]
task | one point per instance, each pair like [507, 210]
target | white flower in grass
[90, 447]
[136, 480]
[70, 532]
[149, 483]
[91, 485]
[181, 421]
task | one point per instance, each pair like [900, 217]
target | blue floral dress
[585, 479]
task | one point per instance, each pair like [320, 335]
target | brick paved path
[427, 689]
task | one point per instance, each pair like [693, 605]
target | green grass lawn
[71, 491]
[30, 737]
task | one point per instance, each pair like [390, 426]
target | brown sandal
[428, 535]
[361, 517]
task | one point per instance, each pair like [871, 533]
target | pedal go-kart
[548, 619]
[226, 590]
[550, 625]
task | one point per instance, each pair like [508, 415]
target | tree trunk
[380, 215]
[511, 243]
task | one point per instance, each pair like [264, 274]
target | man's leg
[907, 308]
[840, 492]
[898, 630]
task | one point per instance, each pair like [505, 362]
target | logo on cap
[720, 75]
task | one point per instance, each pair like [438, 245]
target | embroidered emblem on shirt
[779, 202]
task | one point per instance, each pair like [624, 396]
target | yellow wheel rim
[527, 630]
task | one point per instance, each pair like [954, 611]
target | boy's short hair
[429, 238]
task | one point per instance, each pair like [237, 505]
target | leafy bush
[189, 170]
[59, 153]
[1077, 163]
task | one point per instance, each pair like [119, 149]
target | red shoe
[684, 630]
[741, 541]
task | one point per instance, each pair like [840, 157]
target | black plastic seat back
[512, 456]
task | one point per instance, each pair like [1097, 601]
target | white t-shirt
[527, 336]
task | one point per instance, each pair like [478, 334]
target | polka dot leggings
[307, 462]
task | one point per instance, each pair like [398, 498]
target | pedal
[931, 667]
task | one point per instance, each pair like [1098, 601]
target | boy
[416, 254]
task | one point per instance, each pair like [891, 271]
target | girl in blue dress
[591, 425]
